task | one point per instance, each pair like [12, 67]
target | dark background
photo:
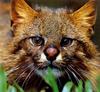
[70, 4]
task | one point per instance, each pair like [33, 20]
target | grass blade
[98, 84]
[3, 80]
[11, 89]
[67, 87]
[50, 79]
[79, 88]
[19, 89]
[88, 86]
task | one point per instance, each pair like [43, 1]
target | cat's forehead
[53, 24]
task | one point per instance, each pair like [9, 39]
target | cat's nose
[51, 52]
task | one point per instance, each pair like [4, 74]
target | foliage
[4, 86]
[50, 79]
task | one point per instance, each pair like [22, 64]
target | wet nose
[51, 52]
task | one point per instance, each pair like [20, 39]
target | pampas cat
[51, 38]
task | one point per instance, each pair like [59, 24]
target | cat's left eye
[37, 40]
[66, 42]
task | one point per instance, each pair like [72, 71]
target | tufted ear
[86, 15]
[21, 12]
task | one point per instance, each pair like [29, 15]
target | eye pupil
[37, 40]
[66, 41]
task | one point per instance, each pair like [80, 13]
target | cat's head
[53, 38]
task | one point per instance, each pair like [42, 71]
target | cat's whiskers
[58, 77]
[27, 78]
[62, 64]
[68, 74]
[13, 69]
[58, 65]
[60, 84]
[17, 80]
[76, 72]
[76, 78]
[30, 74]
[42, 64]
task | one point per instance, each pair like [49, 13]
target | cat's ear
[21, 12]
[86, 15]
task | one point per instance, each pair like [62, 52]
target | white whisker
[30, 75]
[68, 74]
[23, 72]
[76, 72]
[73, 74]
[27, 78]
[59, 82]
[13, 69]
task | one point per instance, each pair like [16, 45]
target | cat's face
[54, 39]
[51, 42]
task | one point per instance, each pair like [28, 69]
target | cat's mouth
[55, 69]
[58, 65]
[52, 66]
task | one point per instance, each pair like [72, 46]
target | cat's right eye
[37, 40]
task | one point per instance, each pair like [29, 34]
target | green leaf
[11, 89]
[67, 87]
[88, 86]
[19, 89]
[50, 79]
[3, 80]
[79, 88]
[98, 84]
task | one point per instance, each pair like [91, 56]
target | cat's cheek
[70, 51]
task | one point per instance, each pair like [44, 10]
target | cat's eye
[66, 42]
[37, 40]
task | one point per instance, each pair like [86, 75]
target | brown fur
[20, 57]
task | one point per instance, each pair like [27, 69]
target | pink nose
[51, 52]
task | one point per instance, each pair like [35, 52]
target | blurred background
[73, 4]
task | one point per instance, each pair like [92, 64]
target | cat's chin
[56, 72]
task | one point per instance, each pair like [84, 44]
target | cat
[51, 38]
